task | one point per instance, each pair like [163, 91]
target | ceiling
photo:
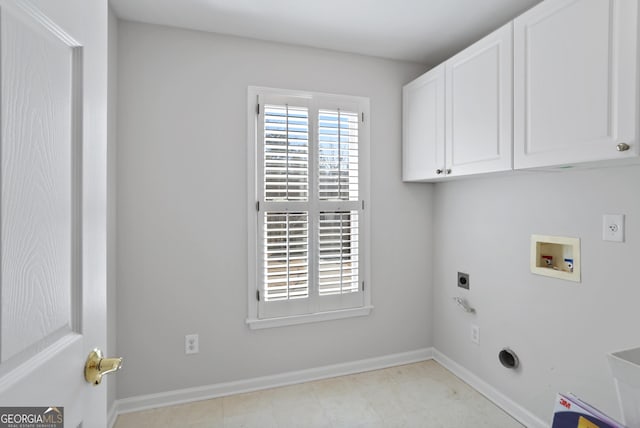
[424, 31]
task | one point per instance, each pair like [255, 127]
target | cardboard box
[571, 412]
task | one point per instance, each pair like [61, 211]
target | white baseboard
[518, 412]
[187, 395]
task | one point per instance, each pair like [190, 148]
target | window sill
[257, 324]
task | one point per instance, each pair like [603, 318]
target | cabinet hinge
[362, 285]
[362, 117]
[363, 204]
[258, 206]
[258, 109]
[258, 295]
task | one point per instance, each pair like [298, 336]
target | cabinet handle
[439, 171]
[449, 171]
[622, 147]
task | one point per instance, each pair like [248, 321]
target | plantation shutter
[310, 209]
[338, 182]
[338, 155]
[286, 255]
[286, 153]
[339, 255]
[285, 239]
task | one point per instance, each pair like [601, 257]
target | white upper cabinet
[423, 127]
[557, 86]
[575, 80]
[457, 118]
[479, 106]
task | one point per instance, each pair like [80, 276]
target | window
[308, 190]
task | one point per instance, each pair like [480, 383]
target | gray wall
[561, 330]
[182, 214]
[111, 199]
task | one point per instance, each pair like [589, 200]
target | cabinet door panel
[479, 105]
[423, 126]
[574, 82]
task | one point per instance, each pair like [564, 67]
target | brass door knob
[98, 366]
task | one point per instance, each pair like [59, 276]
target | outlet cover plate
[475, 334]
[613, 227]
[191, 344]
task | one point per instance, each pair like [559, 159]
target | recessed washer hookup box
[571, 412]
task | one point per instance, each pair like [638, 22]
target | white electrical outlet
[613, 227]
[191, 344]
[475, 334]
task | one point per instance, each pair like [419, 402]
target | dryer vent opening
[508, 359]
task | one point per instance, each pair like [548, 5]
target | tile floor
[415, 395]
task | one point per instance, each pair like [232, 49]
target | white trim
[312, 309]
[256, 324]
[169, 398]
[252, 222]
[516, 411]
[112, 415]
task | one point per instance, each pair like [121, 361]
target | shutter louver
[338, 155]
[339, 252]
[286, 256]
[286, 153]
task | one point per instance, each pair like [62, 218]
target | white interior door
[53, 204]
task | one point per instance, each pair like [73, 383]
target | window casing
[308, 224]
